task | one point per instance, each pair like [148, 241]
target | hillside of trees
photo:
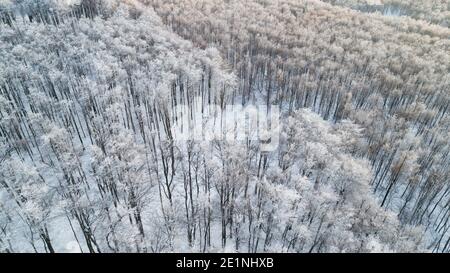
[433, 11]
[88, 96]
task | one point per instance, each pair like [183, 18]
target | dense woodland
[89, 163]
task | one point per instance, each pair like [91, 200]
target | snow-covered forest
[89, 160]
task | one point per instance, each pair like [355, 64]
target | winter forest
[89, 160]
